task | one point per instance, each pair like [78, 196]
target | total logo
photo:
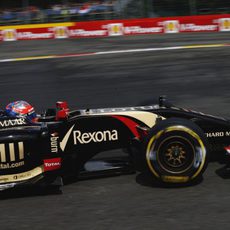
[52, 164]
[82, 138]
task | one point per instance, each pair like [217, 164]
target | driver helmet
[21, 109]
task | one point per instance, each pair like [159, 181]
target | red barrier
[207, 23]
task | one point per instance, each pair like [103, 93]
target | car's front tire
[176, 151]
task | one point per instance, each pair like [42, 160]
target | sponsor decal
[13, 122]
[9, 35]
[88, 137]
[171, 26]
[61, 32]
[54, 142]
[99, 136]
[65, 139]
[3, 179]
[15, 158]
[124, 109]
[85, 33]
[30, 35]
[140, 30]
[191, 27]
[22, 176]
[175, 179]
[218, 134]
[224, 24]
[52, 164]
[12, 165]
[115, 29]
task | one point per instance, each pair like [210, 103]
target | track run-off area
[191, 69]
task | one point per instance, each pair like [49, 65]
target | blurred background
[43, 11]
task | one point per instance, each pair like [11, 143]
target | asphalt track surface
[194, 78]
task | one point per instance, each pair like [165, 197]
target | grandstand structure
[45, 11]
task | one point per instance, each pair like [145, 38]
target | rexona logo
[14, 122]
[99, 136]
[86, 138]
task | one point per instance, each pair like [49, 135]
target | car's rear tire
[176, 151]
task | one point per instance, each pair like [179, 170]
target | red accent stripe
[130, 124]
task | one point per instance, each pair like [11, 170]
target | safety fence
[205, 23]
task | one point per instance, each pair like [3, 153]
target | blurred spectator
[85, 8]
[73, 10]
[57, 12]
[56, 9]
[7, 15]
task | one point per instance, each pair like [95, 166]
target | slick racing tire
[176, 151]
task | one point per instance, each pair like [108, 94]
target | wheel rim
[175, 154]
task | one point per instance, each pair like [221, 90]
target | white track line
[115, 52]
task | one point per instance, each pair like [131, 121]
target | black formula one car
[169, 143]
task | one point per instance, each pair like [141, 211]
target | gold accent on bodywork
[22, 176]
[148, 118]
[21, 150]
[12, 152]
[2, 153]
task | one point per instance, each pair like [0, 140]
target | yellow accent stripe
[34, 58]
[37, 26]
[204, 46]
